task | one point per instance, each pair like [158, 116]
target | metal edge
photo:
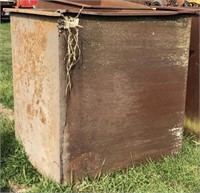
[34, 12]
[100, 12]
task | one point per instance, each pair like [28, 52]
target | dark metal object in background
[4, 16]
[192, 97]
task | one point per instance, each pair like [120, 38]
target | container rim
[153, 11]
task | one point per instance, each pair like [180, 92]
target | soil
[6, 112]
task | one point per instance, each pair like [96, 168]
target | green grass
[172, 174]
[192, 126]
[6, 86]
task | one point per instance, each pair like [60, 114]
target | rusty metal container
[127, 98]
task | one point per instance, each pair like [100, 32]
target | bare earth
[5, 112]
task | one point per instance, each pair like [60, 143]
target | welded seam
[68, 26]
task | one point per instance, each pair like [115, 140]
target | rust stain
[30, 72]
[30, 110]
[118, 95]
[42, 116]
[36, 91]
[87, 163]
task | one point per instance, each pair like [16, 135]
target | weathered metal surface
[143, 2]
[111, 4]
[125, 13]
[110, 8]
[128, 98]
[100, 12]
[127, 101]
[105, 8]
[37, 71]
[80, 2]
[52, 13]
[192, 97]
[192, 10]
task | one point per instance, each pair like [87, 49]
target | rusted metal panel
[105, 8]
[111, 8]
[101, 12]
[80, 2]
[143, 2]
[128, 96]
[36, 71]
[52, 13]
[120, 4]
[192, 97]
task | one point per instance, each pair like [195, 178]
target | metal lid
[96, 4]
[100, 8]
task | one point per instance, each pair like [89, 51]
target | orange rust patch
[30, 110]
[42, 116]
[38, 89]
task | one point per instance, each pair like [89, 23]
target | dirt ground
[5, 112]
